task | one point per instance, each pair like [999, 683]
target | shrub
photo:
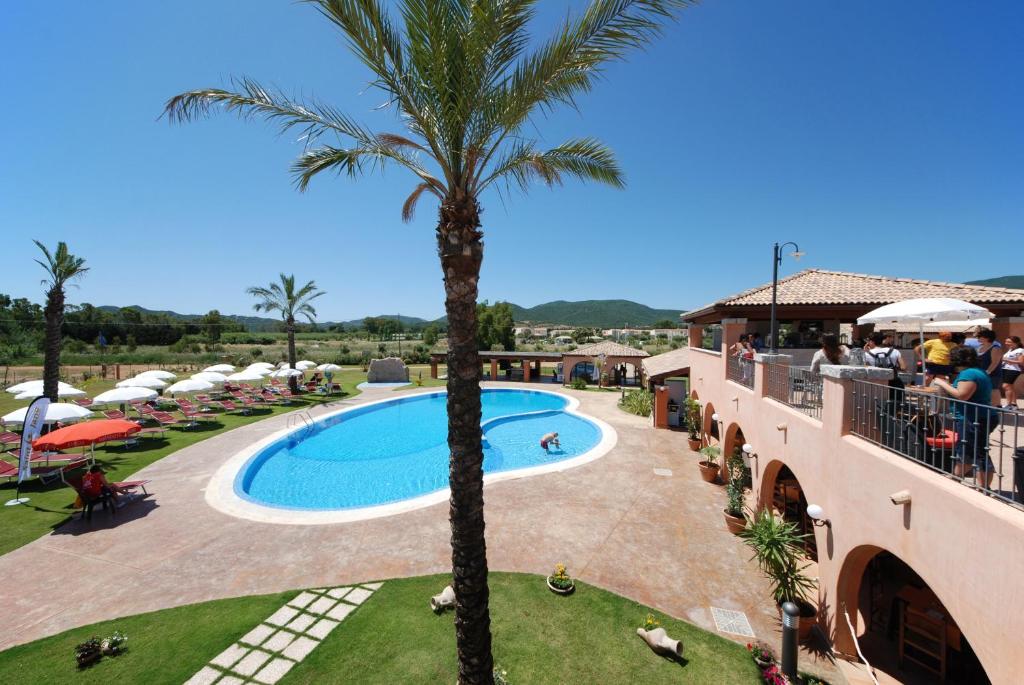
[579, 383]
[255, 353]
[639, 402]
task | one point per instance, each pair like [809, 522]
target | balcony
[795, 386]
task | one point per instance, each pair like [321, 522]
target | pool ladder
[305, 419]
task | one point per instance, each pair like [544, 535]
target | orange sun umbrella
[88, 433]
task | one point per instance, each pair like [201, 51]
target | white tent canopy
[56, 411]
[122, 395]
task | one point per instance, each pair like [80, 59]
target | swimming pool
[383, 457]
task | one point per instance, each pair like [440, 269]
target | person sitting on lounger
[96, 485]
[549, 439]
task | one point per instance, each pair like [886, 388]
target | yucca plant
[470, 84]
[779, 550]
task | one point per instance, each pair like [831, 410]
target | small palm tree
[61, 268]
[284, 298]
[468, 82]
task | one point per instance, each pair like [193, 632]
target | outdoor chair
[104, 499]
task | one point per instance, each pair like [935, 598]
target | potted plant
[733, 512]
[693, 423]
[762, 654]
[778, 549]
[559, 582]
[87, 653]
[709, 465]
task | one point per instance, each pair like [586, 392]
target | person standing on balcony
[974, 417]
[877, 353]
[1013, 365]
[936, 357]
[990, 360]
[831, 352]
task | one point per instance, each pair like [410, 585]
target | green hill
[1001, 282]
[597, 313]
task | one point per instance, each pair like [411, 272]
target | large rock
[390, 370]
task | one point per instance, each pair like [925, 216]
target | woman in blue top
[975, 418]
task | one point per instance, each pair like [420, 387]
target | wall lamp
[715, 417]
[748, 453]
[817, 516]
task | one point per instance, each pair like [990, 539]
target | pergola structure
[605, 356]
[529, 363]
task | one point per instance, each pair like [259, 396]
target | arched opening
[694, 395]
[625, 373]
[781, 491]
[711, 435]
[585, 370]
[903, 628]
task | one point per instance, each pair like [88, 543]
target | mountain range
[1001, 282]
[595, 313]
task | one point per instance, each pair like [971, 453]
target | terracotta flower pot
[694, 444]
[735, 524]
[708, 471]
[559, 590]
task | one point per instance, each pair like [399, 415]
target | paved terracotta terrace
[658, 539]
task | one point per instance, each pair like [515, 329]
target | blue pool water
[398, 450]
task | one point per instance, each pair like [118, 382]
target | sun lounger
[228, 405]
[167, 420]
[8, 470]
[83, 402]
[194, 416]
[9, 438]
[114, 414]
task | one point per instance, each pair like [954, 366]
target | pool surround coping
[221, 492]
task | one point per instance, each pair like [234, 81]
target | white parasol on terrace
[261, 365]
[305, 364]
[56, 411]
[220, 368]
[925, 311]
[151, 382]
[124, 395]
[329, 368]
[190, 385]
[157, 373]
[209, 377]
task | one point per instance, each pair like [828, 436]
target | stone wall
[390, 370]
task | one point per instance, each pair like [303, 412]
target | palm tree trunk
[54, 314]
[461, 250]
[293, 384]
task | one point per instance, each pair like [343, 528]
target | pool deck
[656, 538]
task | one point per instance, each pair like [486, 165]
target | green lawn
[50, 505]
[539, 637]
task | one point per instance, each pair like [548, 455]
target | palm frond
[409, 208]
[586, 159]
[350, 161]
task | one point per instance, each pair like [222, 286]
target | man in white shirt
[884, 357]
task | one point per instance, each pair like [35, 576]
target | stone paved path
[657, 539]
[267, 652]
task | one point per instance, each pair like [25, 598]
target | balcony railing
[981, 446]
[796, 386]
[741, 370]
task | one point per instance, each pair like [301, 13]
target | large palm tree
[463, 81]
[61, 268]
[284, 298]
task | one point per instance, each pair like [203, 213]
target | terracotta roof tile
[607, 348]
[818, 286]
[669, 362]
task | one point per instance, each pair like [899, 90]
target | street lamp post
[776, 260]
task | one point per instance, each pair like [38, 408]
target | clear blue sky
[851, 128]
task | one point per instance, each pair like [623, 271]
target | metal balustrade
[978, 445]
[741, 370]
[795, 386]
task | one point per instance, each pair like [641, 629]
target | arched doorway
[585, 370]
[711, 432]
[782, 492]
[902, 627]
[626, 373]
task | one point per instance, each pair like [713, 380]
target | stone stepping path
[267, 652]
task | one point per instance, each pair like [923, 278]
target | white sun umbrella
[210, 377]
[925, 310]
[57, 411]
[328, 368]
[158, 373]
[247, 375]
[35, 389]
[142, 382]
[285, 373]
[190, 385]
[305, 364]
[124, 395]
[220, 368]
[266, 367]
